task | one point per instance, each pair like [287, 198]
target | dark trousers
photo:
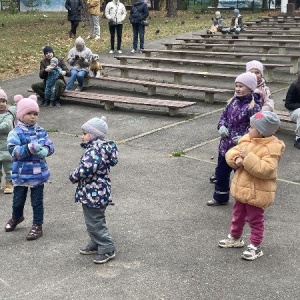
[37, 202]
[74, 25]
[113, 29]
[39, 88]
[138, 32]
[222, 173]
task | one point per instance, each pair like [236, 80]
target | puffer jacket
[115, 11]
[94, 186]
[255, 182]
[264, 91]
[292, 99]
[28, 169]
[74, 8]
[93, 7]
[139, 12]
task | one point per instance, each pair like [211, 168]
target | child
[236, 24]
[54, 73]
[217, 23]
[7, 115]
[28, 144]
[256, 67]
[233, 124]
[253, 186]
[94, 187]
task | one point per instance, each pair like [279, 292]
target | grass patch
[23, 35]
[178, 153]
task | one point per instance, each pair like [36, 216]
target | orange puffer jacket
[255, 182]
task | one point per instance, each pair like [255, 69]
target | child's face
[241, 90]
[257, 73]
[253, 133]
[3, 104]
[85, 137]
[30, 118]
[53, 64]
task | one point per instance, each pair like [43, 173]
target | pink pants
[254, 215]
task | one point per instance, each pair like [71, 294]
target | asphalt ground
[166, 236]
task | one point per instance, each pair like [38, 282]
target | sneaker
[12, 224]
[231, 242]
[297, 144]
[111, 51]
[88, 37]
[35, 232]
[119, 51]
[97, 37]
[78, 89]
[103, 258]
[58, 104]
[252, 252]
[8, 188]
[132, 51]
[213, 179]
[214, 202]
[87, 250]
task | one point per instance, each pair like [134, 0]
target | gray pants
[97, 229]
[295, 117]
[94, 25]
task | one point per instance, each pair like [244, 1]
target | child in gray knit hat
[255, 160]
[94, 187]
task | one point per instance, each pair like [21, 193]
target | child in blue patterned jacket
[94, 187]
[29, 145]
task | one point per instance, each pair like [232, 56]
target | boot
[8, 188]
[35, 232]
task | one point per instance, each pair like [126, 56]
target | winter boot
[35, 232]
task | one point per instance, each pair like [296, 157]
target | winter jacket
[28, 169]
[254, 183]
[292, 99]
[94, 187]
[236, 118]
[46, 62]
[93, 7]
[139, 12]
[237, 22]
[84, 60]
[7, 119]
[219, 22]
[74, 8]
[264, 91]
[115, 11]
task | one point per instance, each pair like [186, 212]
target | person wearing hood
[236, 25]
[79, 58]
[138, 15]
[115, 13]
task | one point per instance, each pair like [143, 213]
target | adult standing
[79, 58]
[39, 88]
[138, 14]
[94, 13]
[115, 13]
[74, 8]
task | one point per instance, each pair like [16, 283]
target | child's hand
[223, 131]
[34, 148]
[239, 161]
[63, 73]
[43, 152]
[243, 153]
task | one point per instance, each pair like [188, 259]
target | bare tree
[171, 8]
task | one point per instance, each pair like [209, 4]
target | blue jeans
[76, 75]
[37, 203]
[138, 31]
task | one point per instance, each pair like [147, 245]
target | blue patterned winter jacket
[28, 169]
[94, 186]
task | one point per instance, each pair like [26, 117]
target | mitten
[43, 152]
[34, 148]
[236, 139]
[223, 131]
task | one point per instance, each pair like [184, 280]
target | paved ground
[166, 236]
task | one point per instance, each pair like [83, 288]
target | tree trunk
[171, 8]
[215, 3]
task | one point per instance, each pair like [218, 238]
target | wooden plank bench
[273, 25]
[152, 85]
[284, 116]
[177, 73]
[269, 67]
[294, 58]
[109, 101]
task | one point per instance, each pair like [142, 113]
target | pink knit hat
[255, 64]
[248, 79]
[3, 95]
[26, 105]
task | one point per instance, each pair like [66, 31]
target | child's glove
[34, 148]
[236, 139]
[223, 131]
[63, 73]
[43, 152]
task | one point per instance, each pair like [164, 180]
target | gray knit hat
[248, 79]
[96, 126]
[54, 59]
[236, 11]
[79, 41]
[266, 122]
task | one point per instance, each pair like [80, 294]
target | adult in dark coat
[292, 103]
[74, 8]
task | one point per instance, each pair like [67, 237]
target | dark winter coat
[292, 99]
[139, 12]
[74, 9]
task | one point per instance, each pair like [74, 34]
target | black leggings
[74, 25]
[112, 30]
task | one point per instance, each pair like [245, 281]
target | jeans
[113, 29]
[39, 88]
[76, 75]
[138, 31]
[94, 25]
[37, 203]
[100, 238]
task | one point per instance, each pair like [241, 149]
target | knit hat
[79, 41]
[54, 59]
[96, 126]
[48, 49]
[248, 79]
[218, 14]
[266, 122]
[236, 11]
[255, 64]
[17, 98]
[3, 95]
[26, 105]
